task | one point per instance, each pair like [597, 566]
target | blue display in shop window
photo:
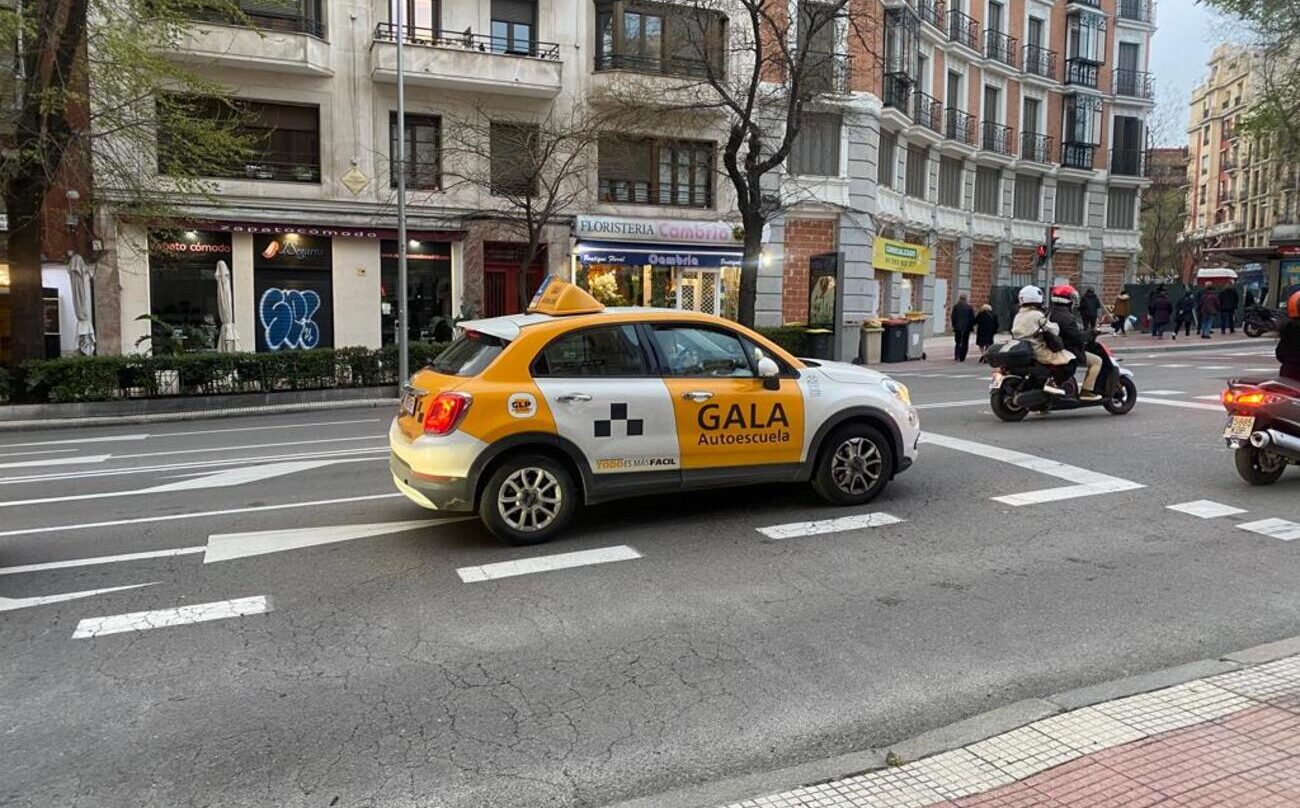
[286, 316]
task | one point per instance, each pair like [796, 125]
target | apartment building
[930, 164]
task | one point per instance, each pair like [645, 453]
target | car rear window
[469, 354]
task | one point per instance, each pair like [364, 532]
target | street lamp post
[403, 347]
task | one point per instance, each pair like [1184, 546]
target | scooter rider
[1030, 325]
[1288, 347]
[1064, 312]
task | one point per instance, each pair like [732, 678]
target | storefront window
[183, 287]
[428, 291]
[620, 285]
[293, 292]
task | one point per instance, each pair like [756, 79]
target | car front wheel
[528, 500]
[854, 467]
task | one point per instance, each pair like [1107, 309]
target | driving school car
[524, 418]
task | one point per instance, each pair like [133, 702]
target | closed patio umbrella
[82, 302]
[228, 341]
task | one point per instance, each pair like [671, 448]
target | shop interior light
[413, 244]
[290, 236]
[191, 234]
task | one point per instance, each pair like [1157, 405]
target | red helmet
[1065, 293]
[1293, 306]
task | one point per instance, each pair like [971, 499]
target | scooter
[1263, 427]
[1016, 388]
[1257, 321]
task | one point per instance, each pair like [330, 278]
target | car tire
[528, 499]
[1258, 467]
[855, 464]
[1122, 401]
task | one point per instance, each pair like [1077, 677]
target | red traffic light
[1042, 250]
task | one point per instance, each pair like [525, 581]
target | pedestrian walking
[1089, 308]
[1228, 309]
[1209, 310]
[1185, 314]
[986, 326]
[963, 320]
[1160, 311]
[1122, 309]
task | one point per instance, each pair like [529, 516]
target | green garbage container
[893, 345]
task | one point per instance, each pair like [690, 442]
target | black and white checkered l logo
[618, 412]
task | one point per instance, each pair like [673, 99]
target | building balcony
[307, 19]
[636, 63]
[1137, 11]
[1078, 155]
[1133, 84]
[282, 43]
[898, 92]
[1001, 47]
[1040, 62]
[1128, 162]
[996, 138]
[1084, 3]
[1035, 148]
[932, 12]
[959, 126]
[827, 73]
[927, 111]
[463, 60]
[963, 29]
[1082, 72]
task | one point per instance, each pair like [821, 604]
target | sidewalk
[941, 346]
[1224, 741]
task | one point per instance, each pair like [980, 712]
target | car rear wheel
[528, 500]
[854, 467]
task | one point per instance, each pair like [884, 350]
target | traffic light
[1047, 249]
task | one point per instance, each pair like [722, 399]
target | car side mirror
[770, 372]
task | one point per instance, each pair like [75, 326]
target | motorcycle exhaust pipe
[1277, 443]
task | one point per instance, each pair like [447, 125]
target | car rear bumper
[428, 491]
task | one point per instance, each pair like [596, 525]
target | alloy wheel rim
[856, 466]
[530, 499]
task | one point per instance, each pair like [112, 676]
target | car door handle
[697, 395]
[569, 398]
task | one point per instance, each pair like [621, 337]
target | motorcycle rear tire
[1252, 330]
[999, 402]
[1255, 472]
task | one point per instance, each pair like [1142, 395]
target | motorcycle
[1263, 427]
[1016, 388]
[1257, 321]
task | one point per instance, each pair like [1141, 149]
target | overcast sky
[1181, 46]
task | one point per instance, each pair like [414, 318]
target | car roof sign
[557, 297]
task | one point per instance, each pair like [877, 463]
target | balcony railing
[996, 138]
[466, 40]
[963, 29]
[1035, 148]
[927, 111]
[931, 11]
[1077, 155]
[693, 68]
[1128, 162]
[1133, 83]
[1088, 3]
[266, 20]
[1001, 47]
[827, 73]
[1137, 10]
[1081, 72]
[959, 126]
[898, 91]
[271, 170]
[1040, 61]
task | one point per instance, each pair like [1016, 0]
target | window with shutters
[514, 27]
[660, 38]
[284, 139]
[816, 150]
[512, 156]
[918, 173]
[1029, 191]
[423, 152]
[649, 171]
[1119, 208]
[1071, 199]
[885, 159]
[950, 181]
[988, 190]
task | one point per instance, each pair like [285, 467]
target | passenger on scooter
[1288, 347]
[1065, 313]
[1030, 325]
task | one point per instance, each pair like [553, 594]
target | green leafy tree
[88, 85]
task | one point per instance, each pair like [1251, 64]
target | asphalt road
[366, 672]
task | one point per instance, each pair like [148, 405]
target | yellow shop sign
[900, 256]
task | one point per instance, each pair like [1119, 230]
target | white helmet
[1031, 295]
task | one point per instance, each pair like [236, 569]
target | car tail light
[445, 412]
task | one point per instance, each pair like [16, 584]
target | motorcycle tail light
[1244, 398]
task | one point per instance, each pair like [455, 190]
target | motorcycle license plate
[1240, 427]
[996, 382]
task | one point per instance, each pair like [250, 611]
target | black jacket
[986, 325]
[1187, 307]
[1288, 347]
[963, 317]
[1073, 334]
[1090, 305]
[1228, 299]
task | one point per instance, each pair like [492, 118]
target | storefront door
[699, 290]
[501, 277]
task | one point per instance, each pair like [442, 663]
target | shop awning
[658, 255]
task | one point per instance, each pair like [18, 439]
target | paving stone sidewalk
[1227, 741]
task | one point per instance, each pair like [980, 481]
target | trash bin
[821, 343]
[893, 344]
[869, 339]
[916, 338]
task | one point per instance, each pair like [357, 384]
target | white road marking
[822, 526]
[206, 450]
[1214, 397]
[1187, 405]
[78, 441]
[1214, 367]
[1163, 393]
[1136, 364]
[179, 616]
[228, 546]
[220, 479]
[1274, 528]
[197, 514]
[1086, 483]
[91, 562]
[560, 561]
[9, 604]
[1175, 366]
[1260, 370]
[56, 461]
[29, 454]
[312, 425]
[1206, 509]
[941, 404]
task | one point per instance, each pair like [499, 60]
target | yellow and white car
[525, 417]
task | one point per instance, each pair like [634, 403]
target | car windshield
[469, 354]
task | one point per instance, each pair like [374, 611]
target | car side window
[701, 352]
[757, 352]
[606, 351]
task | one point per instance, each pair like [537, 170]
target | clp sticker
[522, 405]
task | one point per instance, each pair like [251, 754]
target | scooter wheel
[1122, 401]
[1000, 403]
[1252, 330]
[1258, 467]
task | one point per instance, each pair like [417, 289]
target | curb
[1222, 346]
[193, 415]
[957, 734]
